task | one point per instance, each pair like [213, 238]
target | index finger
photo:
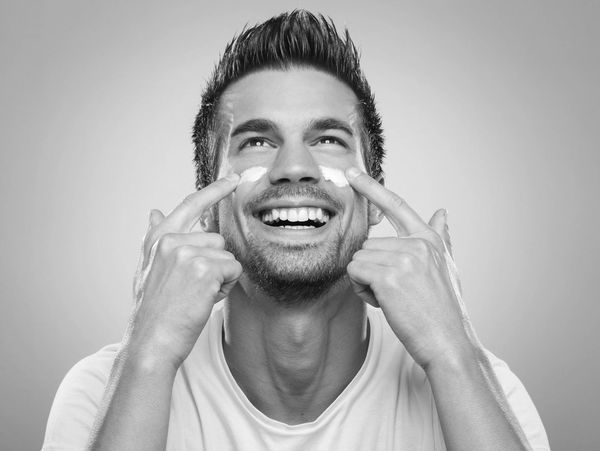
[187, 213]
[400, 214]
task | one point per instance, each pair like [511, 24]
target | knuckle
[182, 253]
[165, 244]
[359, 254]
[228, 255]
[369, 181]
[389, 279]
[201, 267]
[369, 244]
[422, 246]
[406, 261]
[214, 240]
[395, 200]
[238, 269]
[188, 200]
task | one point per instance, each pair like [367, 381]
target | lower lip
[297, 234]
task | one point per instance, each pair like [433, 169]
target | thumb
[439, 223]
[364, 292]
[156, 217]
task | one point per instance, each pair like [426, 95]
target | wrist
[457, 361]
[147, 359]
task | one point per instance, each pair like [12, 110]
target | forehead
[288, 96]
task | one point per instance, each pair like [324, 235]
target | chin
[295, 274]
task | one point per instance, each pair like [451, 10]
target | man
[265, 317]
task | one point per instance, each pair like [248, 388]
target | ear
[375, 214]
[208, 221]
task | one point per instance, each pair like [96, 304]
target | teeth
[301, 214]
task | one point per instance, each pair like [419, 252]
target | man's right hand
[182, 274]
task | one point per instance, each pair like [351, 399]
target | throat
[293, 366]
[297, 361]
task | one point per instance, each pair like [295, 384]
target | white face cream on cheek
[336, 176]
[252, 174]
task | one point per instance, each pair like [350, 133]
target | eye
[330, 141]
[255, 142]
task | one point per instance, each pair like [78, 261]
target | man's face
[293, 221]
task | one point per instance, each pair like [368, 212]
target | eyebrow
[266, 126]
[330, 123]
[254, 125]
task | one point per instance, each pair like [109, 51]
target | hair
[298, 38]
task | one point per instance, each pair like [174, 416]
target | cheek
[231, 223]
[356, 206]
[362, 207]
[360, 213]
[239, 199]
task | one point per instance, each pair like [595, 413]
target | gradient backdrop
[491, 109]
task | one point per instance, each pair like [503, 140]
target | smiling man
[265, 317]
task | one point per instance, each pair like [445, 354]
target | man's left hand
[412, 277]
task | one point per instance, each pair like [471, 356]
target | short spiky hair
[298, 38]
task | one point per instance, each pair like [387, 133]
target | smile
[295, 217]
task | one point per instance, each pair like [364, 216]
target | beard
[295, 274]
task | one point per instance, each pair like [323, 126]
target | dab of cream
[334, 175]
[252, 174]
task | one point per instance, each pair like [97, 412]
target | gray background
[491, 109]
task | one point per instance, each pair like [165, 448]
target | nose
[294, 164]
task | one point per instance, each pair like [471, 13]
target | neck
[293, 361]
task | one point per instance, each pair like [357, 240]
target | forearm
[473, 410]
[134, 414]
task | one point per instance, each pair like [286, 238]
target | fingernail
[445, 213]
[352, 172]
